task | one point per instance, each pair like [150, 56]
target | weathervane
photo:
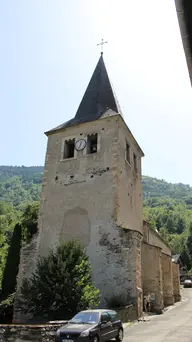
[102, 43]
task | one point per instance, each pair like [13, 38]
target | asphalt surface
[174, 325]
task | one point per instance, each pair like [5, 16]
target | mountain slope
[153, 187]
[20, 184]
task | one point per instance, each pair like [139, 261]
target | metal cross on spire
[101, 44]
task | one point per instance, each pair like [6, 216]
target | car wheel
[119, 336]
[95, 339]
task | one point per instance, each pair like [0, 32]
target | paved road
[175, 325]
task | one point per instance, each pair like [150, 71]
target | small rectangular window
[128, 153]
[135, 162]
[92, 143]
[69, 148]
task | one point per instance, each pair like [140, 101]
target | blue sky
[48, 54]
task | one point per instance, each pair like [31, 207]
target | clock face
[80, 144]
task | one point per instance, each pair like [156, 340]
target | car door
[105, 327]
[114, 325]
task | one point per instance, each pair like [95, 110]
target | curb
[183, 300]
[127, 325]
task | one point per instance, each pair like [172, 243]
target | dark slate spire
[99, 97]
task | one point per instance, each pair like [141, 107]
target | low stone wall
[28, 333]
[46, 332]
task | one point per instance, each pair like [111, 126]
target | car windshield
[85, 317]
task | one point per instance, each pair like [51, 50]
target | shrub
[6, 309]
[61, 284]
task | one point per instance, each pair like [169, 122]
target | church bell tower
[92, 190]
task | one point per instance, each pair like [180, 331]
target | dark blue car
[91, 325]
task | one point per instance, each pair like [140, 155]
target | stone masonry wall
[138, 241]
[168, 296]
[118, 255]
[27, 264]
[28, 333]
[80, 188]
[153, 238]
[46, 332]
[129, 185]
[131, 249]
[80, 199]
[152, 275]
[176, 282]
[156, 240]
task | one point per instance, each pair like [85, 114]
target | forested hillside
[20, 184]
[168, 207]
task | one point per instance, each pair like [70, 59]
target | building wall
[129, 190]
[168, 296]
[27, 264]
[153, 238]
[97, 199]
[176, 282]
[79, 199]
[156, 240]
[152, 275]
[75, 185]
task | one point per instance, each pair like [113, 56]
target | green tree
[190, 228]
[4, 230]
[170, 225]
[186, 259]
[30, 220]
[12, 263]
[181, 226]
[5, 208]
[189, 241]
[176, 243]
[61, 284]
[164, 234]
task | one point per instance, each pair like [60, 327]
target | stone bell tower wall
[129, 201]
[80, 200]
[81, 190]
